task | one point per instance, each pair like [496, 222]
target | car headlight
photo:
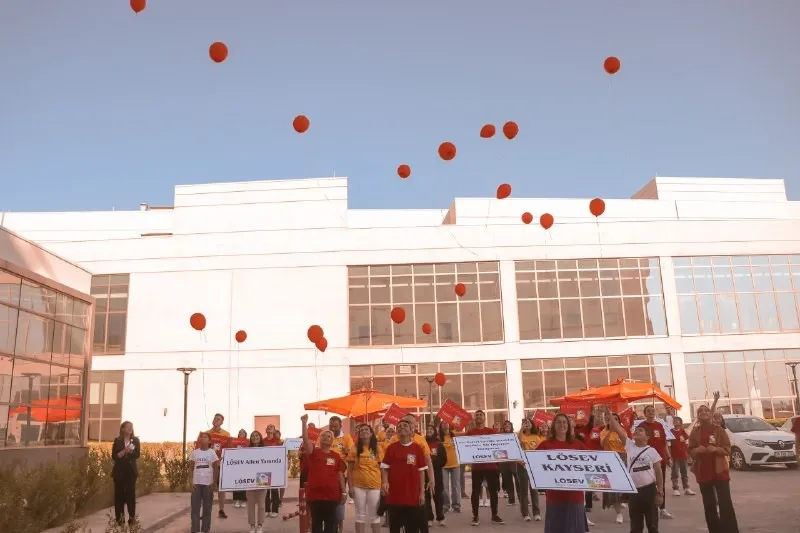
[755, 443]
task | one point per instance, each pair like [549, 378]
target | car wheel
[791, 466]
[738, 461]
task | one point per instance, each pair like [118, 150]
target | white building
[697, 287]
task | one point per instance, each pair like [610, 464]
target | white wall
[271, 257]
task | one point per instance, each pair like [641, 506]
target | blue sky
[101, 108]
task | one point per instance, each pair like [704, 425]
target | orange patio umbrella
[618, 392]
[364, 402]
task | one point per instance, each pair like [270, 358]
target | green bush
[777, 422]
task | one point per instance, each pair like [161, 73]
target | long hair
[510, 423]
[260, 439]
[440, 431]
[570, 432]
[122, 427]
[372, 444]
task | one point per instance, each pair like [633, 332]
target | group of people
[412, 481]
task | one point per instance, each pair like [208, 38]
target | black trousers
[272, 501]
[240, 496]
[323, 516]
[508, 473]
[642, 509]
[124, 494]
[718, 493]
[405, 518]
[492, 478]
[664, 477]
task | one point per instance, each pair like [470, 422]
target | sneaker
[666, 514]
[442, 523]
[222, 514]
[484, 503]
[456, 509]
[259, 529]
[590, 522]
[497, 520]
[505, 495]
[527, 518]
[676, 492]
[619, 518]
[350, 501]
[445, 509]
[252, 529]
[690, 492]
[537, 518]
[511, 504]
[624, 505]
[475, 521]
[430, 523]
[274, 515]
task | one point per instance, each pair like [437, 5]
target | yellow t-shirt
[381, 436]
[614, 443]
[367, 469]
[450, 447]
[419, 440]
[342, 445]
[220, 432]
[530, 442]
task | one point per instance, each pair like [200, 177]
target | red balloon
[503, 191]
[404, 171]
[322, 344]
[487, 132]
[241, 336]
[138, 5]
[218, 52]
[460, 289]
[315, 333]
[510, 129]
[426, 328]
[301, 123]
[527, 218]
[198, 321]
[440, 379]
[597, 207]
[398, 315]
[546, 220]
[611, 65]
[447, 150]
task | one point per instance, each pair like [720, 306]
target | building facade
[45, 335]
[693, 284]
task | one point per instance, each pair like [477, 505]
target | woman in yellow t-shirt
[364, 476]
[612, 443]
[529, 439]
[451, 473]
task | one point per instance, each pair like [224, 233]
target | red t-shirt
[563, 496]
[404, 462]
[705, 469]
[679, 446]
[658, 437]
[323, 476]
[482, 431]
[272, 442]
[593, 441]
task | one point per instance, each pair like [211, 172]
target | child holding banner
[204, 464]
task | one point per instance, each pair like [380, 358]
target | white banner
[498, 448]
[263, 467]
[293, 445]
[581, 470]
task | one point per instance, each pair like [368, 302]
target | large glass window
[111, 313]
[475, 385]
[105, 405]
[754, 382]
[427, 294]
[590, 298]
[739, 294]
[545, 379]
[43, 364]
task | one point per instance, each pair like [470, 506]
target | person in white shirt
[644, 464]
[205, 470]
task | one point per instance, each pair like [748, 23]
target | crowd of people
[398, 478]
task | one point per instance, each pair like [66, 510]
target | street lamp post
[186, 372]
[793, 366]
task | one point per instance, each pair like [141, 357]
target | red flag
[394, 414]
[627, 417]
[454, 414]
[239, 443]
[541, 417]
[579, 412]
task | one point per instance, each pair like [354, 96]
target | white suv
[755, 442]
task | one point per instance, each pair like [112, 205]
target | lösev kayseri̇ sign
[498, 448]
[582, 470]
[253, 468]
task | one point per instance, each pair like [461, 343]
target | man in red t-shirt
[403, 481]
[679, 450]
[658, 440]
[488, 472]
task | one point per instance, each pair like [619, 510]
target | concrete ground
[765, 500]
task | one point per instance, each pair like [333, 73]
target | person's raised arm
[307, 444]
[615, 426]
[716, 399]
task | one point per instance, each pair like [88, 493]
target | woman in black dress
[125, 452]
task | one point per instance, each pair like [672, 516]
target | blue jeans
[451, 488]
[201, 497]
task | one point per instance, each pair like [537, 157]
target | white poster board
[263, 467]
[498, 448]
[580, 470]
[292, 445]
